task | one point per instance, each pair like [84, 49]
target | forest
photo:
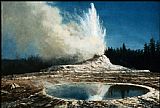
[147, 58]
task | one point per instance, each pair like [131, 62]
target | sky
[132, 23]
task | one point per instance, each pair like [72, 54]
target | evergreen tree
[124, 47]
[158, 48]
[152, 46]
[146, 49]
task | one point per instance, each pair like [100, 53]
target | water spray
[38, 27]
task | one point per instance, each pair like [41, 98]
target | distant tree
[152, 46]
[158, 47]
[124, 47]
[146, 49]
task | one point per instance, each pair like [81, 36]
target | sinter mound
[97, 63]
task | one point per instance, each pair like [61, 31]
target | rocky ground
[28, 90]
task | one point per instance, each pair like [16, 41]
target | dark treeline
[146, 58]
[19, 66]
[32, 64]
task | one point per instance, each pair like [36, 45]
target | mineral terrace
[28, 90]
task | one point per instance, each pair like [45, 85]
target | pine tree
[152, 46]
[158, 48]
[124, 47]
[146, 49]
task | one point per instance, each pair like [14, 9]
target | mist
[39, 26]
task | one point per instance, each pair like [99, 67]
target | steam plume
[37, 25]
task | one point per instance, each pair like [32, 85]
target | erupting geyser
[38, 27]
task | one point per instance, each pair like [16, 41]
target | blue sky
[132, 23]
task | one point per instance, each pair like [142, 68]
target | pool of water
[92, 91]
[123, 91]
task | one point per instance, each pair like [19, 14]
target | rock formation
[96, 64]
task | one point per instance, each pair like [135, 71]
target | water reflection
[123, 91]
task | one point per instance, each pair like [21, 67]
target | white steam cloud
[37, 25]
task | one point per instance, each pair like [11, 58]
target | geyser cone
[37, 28]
